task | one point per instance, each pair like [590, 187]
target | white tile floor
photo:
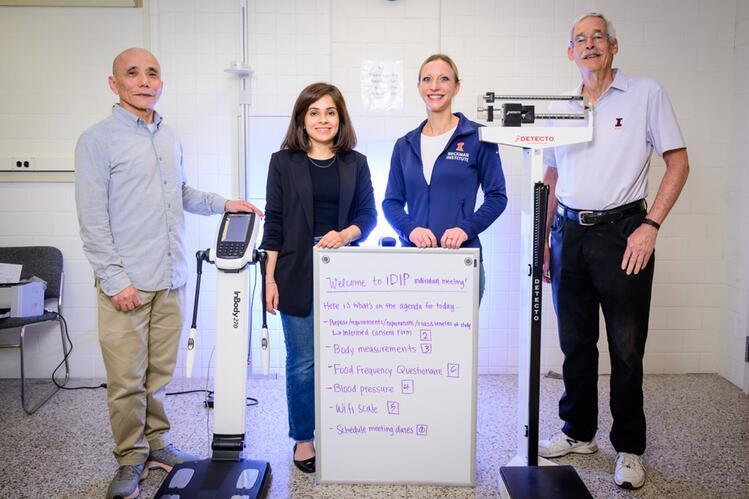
[698, 442]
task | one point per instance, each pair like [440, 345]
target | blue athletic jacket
[450, 199]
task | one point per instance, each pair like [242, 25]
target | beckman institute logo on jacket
[458, 154]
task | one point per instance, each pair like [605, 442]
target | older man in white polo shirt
[603, 236]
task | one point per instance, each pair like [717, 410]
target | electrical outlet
[33, 164]
[21, 164]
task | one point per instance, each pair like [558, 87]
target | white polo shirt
[632, 117]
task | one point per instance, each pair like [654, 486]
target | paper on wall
[382, 85]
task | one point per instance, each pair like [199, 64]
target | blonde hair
[441, 57]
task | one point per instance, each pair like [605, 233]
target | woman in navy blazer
[319, 193]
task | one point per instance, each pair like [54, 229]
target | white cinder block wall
[737, 192]
[698, 51]
[194, 42]
[55, 66]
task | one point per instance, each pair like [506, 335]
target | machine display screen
[236, 228]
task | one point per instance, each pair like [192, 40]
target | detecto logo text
[534, 139]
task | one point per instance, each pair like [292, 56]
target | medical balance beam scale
[227, 474]
[523, 477]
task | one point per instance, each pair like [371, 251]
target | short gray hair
[609, 26]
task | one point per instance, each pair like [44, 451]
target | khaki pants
[140, 351]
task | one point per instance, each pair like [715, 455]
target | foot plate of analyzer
[208, 479]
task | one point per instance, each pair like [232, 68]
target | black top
[325, 193]
[288, 219]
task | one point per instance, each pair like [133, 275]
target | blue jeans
[298, 333]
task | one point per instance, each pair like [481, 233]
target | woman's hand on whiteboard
[423, 238]
[271, 297]
[453, 238]
[332, 240]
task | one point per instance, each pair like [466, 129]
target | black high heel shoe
[305, 465]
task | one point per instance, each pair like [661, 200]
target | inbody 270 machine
[227, 475]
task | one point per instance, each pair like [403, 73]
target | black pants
[585, 273]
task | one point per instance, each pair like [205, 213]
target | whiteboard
[395, 365]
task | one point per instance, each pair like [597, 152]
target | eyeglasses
[598, 37]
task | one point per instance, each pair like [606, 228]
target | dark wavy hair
[296, 137]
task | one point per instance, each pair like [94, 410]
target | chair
[44, 262]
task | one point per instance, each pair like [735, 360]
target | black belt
[590, 217]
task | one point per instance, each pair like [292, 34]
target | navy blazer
[289, 223]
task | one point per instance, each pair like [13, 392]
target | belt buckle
[580, 215]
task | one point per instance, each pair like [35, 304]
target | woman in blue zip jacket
[436, 171]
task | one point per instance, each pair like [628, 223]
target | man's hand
[453, 238]
[127, 299]
[422, 238]
[640, 246]
[242, 206]
[547, 258]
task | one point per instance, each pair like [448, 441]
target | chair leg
[24, 404]
[23, 376]
[63, 330]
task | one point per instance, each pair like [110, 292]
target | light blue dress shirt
[130, 192]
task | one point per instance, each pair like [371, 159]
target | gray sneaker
[124, 485]
[168, 457]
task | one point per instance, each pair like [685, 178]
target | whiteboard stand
[527, 475]
[396, 333]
